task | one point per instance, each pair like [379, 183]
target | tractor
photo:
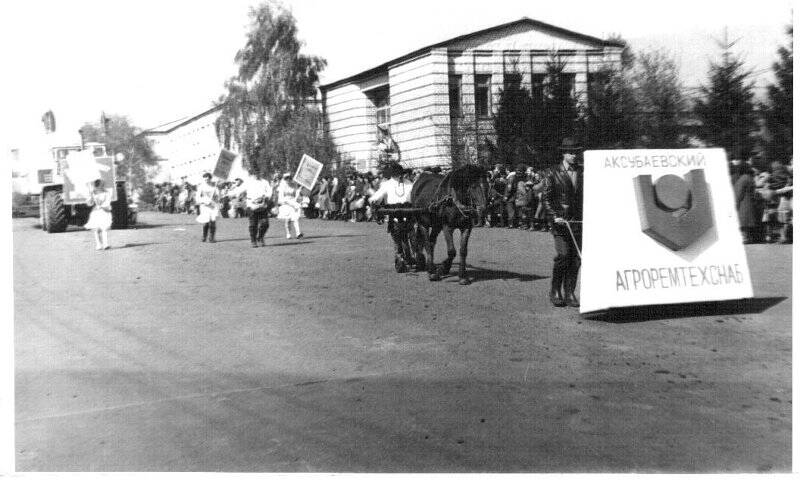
[65, 190]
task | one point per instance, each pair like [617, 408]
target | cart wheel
[400, 265]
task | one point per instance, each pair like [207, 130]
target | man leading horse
[395, 191]
[563, 203]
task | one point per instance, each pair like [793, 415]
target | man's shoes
[261, 241]
[300, 235]
[556, 299]
[254, 244]
[572, 301]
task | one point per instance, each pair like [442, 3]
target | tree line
[641, 103]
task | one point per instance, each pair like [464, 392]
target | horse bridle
[465, 211]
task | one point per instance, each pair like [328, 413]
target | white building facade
[421, 97]
[186, 148]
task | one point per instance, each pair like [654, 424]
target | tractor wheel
[55, 212]
[81, 214]
[42, 218]
[119, 209]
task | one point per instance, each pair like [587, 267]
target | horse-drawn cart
[437, 204]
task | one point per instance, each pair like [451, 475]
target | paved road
[165, 354]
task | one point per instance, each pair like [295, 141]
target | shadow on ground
[141, 226]
[138, 244]
[332, 236]
[484, 274]
[686, 310]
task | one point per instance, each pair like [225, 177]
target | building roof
[173, 125]
[523, 21]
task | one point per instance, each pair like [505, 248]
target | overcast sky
[161, 60]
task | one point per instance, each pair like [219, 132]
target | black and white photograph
[430, 238]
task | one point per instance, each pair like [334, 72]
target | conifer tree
[726, 107]
[517, 113]
[778, 108]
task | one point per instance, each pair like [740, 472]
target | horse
[446, 203]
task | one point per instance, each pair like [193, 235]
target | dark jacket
[497, 188]
[560, 197]
[745, 195]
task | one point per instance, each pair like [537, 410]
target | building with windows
[186, 148]
[423, 99]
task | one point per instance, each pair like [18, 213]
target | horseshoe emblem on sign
[675, 211]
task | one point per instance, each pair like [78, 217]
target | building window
[483, 94]
[380, 99]
[455, 96]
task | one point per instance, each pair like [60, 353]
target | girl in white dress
[208, 200]
[100, 218]
[289, 205]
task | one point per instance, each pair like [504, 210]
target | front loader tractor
[66, 190]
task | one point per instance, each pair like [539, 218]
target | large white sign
[660, 227]
[81, 169]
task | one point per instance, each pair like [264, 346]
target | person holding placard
[100, 218]
[289, 205]
[258, 193]
[563, 204]
[208, 201]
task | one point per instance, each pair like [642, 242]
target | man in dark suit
[563, 203]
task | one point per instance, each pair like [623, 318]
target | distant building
[415, 100]
[185, 148]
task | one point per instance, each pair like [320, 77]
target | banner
[660, 227]
[307, 172]
[81, 169]
[224, 164]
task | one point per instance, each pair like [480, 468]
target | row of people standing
[515, 198]
[344, 199]
[763, 201]
[176, 198]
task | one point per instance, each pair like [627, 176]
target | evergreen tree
[516, 114]
[270, 113]
[559, 112]
[778, 109]
[725, 107]
[657, 102]
[609, 115]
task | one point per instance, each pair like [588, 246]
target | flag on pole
[49, 121]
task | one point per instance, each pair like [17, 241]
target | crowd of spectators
[175, 198]
[514, 197]
[763, 201]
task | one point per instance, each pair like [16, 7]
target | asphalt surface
[313, 355]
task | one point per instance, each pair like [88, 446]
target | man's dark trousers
[259, 223]
[566, 262]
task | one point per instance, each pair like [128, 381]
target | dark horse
[447, 203]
